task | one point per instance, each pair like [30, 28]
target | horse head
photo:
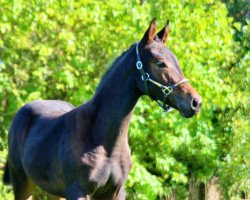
[161, 76]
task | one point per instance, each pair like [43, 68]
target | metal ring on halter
[139, 65]
[145, 78]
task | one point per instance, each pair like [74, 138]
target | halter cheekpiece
[166, 89]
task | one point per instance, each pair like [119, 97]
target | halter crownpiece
[166, 89]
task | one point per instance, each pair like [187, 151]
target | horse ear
[150, 33]
[163, 34]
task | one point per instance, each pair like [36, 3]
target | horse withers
[83, 152]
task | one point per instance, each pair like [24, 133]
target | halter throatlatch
[166, 89]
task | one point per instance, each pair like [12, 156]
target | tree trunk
[195, 189]
[212, 189]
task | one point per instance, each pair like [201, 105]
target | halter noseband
[165, 89]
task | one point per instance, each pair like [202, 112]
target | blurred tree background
[60, 49]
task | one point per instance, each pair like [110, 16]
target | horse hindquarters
[22, 186]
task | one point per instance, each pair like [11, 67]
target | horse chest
[106, 172]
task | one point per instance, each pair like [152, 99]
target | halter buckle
[139, 65]
[166, 90]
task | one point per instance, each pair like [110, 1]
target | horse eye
[161, 64]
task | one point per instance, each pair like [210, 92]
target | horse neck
[114, 102]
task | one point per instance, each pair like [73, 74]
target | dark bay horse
[83, 152]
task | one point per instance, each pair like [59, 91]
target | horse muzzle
[192, 109]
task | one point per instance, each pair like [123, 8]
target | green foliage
[59, 50]
[235, 173]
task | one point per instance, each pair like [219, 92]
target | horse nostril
[195, 104]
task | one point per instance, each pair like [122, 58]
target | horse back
[47, 108]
